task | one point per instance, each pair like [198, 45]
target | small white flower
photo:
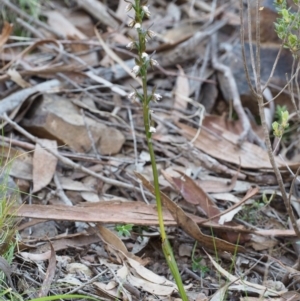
[137, 26]
[132, 97]
[157, 96]
[130, 45]
[128, 7]
[136, 69]
[154, 62]
[146, 10]
[151, 34]
[145, 56]
[131, 23]
[152, 129]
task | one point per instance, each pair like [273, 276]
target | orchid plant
[142, 63]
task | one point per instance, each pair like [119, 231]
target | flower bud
[151, 34]
[128, 7]
[132, 97]
[146, 10]
[131, 23]
[130, 45]
[156, 97]
[145, 56]
[136, 69]
[152, 129]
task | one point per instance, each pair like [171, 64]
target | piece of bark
[59, 119]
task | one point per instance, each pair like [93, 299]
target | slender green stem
[140, 69]
[153, 162]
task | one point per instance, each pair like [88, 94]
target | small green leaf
[284, 115]
[275, 126]
[286, 15]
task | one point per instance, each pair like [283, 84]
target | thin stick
[60, 192]
[242, 33]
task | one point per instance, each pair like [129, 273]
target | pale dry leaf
[180, 33]
[266, 299]
[150, 287]
[147, 274]
[260, 243]
[220, 293]
[89, 196]
[35, 257]
[175, 11]
[140, 244]
[77, 267]
[60, 23]
[201, 297]
[113, 293]
[16, 77]
[123, 272]
[114, 241]
[121, 10]
[44, 164]
[229, 215]
[99, 11]
[222, 145]
[70, 279]
[240, 284]
[181, 93]
[231, 211]
[111, 285]
[69, 184]
[49, 274]
[225, 196]
[6, 31]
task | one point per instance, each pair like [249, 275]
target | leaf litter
[75, 150]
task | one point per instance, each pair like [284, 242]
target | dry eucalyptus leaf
[43, 172]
